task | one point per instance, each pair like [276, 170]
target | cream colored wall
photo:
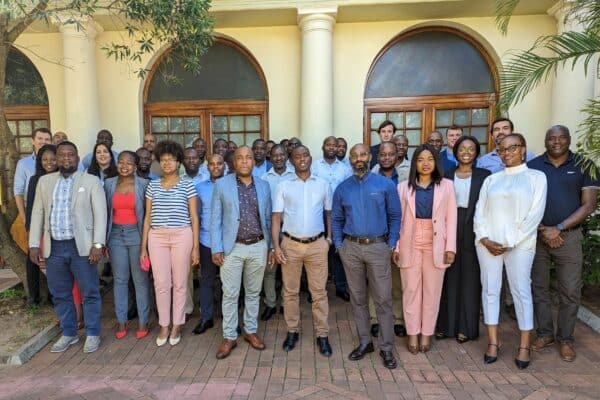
[356, 45]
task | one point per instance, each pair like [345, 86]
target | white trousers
[518, 271]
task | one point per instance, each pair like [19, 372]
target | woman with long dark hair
[427, 244]
[461, 294]
[103, 164]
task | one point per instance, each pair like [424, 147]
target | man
[386, 132]
[401, 168]
[447, 156]
[278, 173]
[291, 145]
[208, 270]
[200, 145]
[306, 241]
[501, 127]
[366, 224]
[59, 137]
[191, 165]
[145, 161]
[334, 172]
[559, 240]
[436, 140]
[261, 165]
[149, 144]
[70, 212]
[24, 171]
[103, 136]
[342, 149]
[268, 146]
[401, 142]
[231, 145]
[220, 147]
[240, 228]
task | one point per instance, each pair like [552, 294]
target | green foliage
[13, 294]
[591, 250]
[504, 10]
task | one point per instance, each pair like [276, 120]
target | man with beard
[200, 145]
[342, 149]
[208, 269]
[145, 161]
[70, 213]
[436, 139]
[386, 132]
[149, 144]
[334, 172]
[301, 202]
[366, 223]
[278, 173]
[261, 165]
[191, 165]
[269, 145]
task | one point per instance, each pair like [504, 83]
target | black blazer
[30, 199]
[477, 178]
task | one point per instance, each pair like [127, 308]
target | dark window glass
[24, 85]
[225, 74]
[430, 63]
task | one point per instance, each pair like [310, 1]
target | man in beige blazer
[68, 230]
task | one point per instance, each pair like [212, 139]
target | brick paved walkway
[131, 369]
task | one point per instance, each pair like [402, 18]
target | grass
[13, 294]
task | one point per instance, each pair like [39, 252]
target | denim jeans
[124, 246]
[63, 267]
[245, 263]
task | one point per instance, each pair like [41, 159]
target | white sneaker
[64, 343]
[91, 344]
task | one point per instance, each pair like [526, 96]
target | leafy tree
[185, 25]
[528, 69]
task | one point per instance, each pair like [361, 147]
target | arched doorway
[431, 78]
[228, 99]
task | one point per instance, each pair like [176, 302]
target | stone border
[31, 347]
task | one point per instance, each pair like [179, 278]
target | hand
[271, 259]
[495, 248]
[280, 256]
[554, 243]
[95, 255]
[106, 252]
[22, 217]
[218, 259]
[34, 255]
[195, 256]
[449, 257]
[143, 255]
[396, 257]
[549, 233]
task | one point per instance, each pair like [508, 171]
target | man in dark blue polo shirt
[365, 221]
[571, 198]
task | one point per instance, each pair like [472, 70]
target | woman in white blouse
[510, 208]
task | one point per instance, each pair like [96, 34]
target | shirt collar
[515, 170]
[394, 172]
[364, 178]
[567, 161]
[240, 183]
[287, 170]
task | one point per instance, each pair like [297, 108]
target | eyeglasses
[167, 160]
[510, 149]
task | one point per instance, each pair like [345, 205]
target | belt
[367, 240]
[304, 240]
[253, 240]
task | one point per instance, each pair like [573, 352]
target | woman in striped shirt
[170, 238]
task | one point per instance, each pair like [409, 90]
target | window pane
[24, 85]
[176, 124]
[411, 151]
[238, 138]
[461, 117]
[480, 134]
[251, 137]
[236, 123]
[12, 126]
[192, 124]
[253, 123]
[375, 138]
[25, 145]
[24, 128]
[479, 116]
[377, 119]
[443, 118]
[40, 123]
[220, 136]
[396, 118]
[413, 120]
[160, 138]
[219, 124]
[414, 137]
[189, 139]
[179, 139]
[482, 149]
[159, 124]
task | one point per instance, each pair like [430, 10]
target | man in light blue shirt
[191, 166]
[447, 156]
[261, 165]
[501, 127]
[103, 136]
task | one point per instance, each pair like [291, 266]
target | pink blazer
[443, 220]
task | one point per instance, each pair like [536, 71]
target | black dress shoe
[375, 330]
[268, 313]
[491, 359]
[342, 295]
[324, 347]
[202, 327]
[359, 352]
[309, 298]
[389, 361]
[399, 330]
[290, 341]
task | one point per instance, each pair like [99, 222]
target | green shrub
[591, 250]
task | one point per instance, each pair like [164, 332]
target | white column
[316, 90]
[572, 88]
[82, 106]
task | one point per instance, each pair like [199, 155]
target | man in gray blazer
[69, 211]
[239, 236]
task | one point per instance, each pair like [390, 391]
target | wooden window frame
[21, 113]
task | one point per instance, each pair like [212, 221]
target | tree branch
[27, 20]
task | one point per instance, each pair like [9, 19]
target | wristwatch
[560, 227]
[98, 245]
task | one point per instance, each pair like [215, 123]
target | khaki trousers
[314, 257]
[396, 299]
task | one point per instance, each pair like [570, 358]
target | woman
[510, 208]
[170, 237]
[461, 293]
[125, 200]
[427, 244]
[103, 164]
[45, 163]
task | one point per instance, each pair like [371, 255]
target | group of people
[418, 246]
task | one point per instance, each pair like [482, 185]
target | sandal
[521, 364]
[121, 334]
[491, 359]
[412, 348]
[460, 338]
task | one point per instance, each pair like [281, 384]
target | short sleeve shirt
[170, 206]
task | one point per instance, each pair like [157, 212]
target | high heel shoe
[121, 334]
[424, 348]
[520, 363]
[412, 348]
[491, 359]
[160, 341]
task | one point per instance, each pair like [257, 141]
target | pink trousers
[421, 283]
[170, 251]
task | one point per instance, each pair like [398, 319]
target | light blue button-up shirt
[205, 191]
[200, 177]
[61, 224]
[493, 163]
[273, 179]
[25, 170]
[334, 173]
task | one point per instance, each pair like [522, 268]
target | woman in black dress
[461, 294]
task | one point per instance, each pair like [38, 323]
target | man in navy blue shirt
[366, 224]
[571, 199]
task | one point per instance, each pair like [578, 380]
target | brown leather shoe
[254, 341]
[541, 341]
[567, 353]
[225, 348]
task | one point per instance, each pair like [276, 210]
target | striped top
[170, 207]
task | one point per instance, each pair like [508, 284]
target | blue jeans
[64, 266]
[208, 273]
[124, 245]
[247, 263]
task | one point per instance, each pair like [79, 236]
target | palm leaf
[588, 144]
[504, 11]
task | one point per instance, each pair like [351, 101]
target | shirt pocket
[377, 199]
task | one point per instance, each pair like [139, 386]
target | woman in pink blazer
[427, 243]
